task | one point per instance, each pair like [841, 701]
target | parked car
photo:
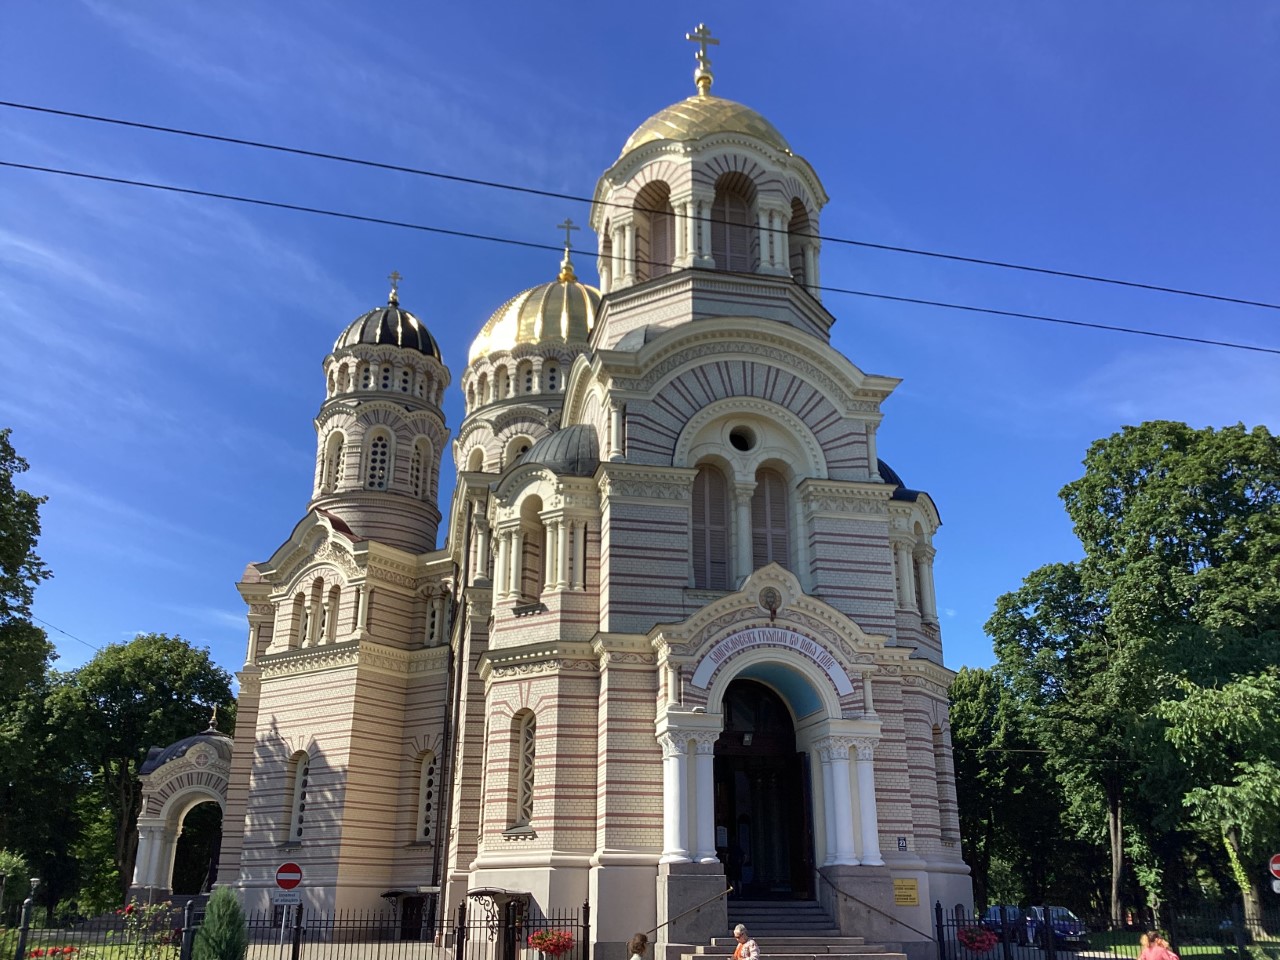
[1006, 920]
[1069, 932]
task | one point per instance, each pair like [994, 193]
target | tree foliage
[151, 691]
[223, 935]
[1119, 659]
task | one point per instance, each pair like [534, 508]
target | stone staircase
[793, 930]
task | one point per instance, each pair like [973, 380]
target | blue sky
[161, 358]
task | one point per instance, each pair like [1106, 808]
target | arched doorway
[763, 806]
[195, 861]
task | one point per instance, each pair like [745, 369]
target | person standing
[637, 945]
[746, 948]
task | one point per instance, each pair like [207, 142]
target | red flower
[68, 950]
[128, 910]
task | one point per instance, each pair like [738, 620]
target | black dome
[573, 451]
[157, 757]
[391, 326]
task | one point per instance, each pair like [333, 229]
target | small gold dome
[562, 311]
[701, 115]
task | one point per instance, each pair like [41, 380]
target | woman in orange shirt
[746, 948]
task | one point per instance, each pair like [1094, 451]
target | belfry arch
[175, 780]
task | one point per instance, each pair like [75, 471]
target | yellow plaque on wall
[906, 893]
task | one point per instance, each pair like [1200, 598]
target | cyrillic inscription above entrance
[772, 637]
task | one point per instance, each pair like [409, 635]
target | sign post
[1275, 866]
[288, 876]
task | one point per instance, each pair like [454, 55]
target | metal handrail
[872, 907]
[728, 890]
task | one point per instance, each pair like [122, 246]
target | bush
[224, 934]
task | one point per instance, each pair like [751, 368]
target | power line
[383, 221]
[66, 634]
[533, 191]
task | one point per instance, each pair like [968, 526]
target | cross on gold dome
[566, 265]
[395, 278]
[702, 76]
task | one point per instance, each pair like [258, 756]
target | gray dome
[573, 451]
[391, 326]
[157, 757]
[889, 475]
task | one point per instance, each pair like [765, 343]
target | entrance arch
[763, 803]
[175, 780]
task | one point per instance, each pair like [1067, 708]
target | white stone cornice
[620, 481]
[837, 498]
[364, 654]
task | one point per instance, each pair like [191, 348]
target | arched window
[366, 376]
[482, 388]
[552, 374]
[298, 805]
[406, 379]
[769, 526]
[502, 383]
[299, 621]
[655, 231]
[476, 461]
[471, 397]
[377, 471]
[331, 614]
[331, 477]
[384, 381]
[732, 239]
[516, 448]
[526, 727]
[799, 233]
[419, 465]
[533, 535]
[428, 791]
[344, 379]
[710, 529]
[525, 375]
[317, 620]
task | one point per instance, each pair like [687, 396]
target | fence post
[1004, 934]
[1237, 928]
[188, 914]
[1046, 931]
[586, 930]
[27, 906]
[938, 924]
[460, 933]
[297, 932]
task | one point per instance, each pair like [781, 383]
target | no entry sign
[288, 876]
[1275, 865]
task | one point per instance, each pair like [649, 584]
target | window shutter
[770, 541]
[710, 530]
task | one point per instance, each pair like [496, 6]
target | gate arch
[175, 779]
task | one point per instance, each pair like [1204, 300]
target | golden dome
[560, 312]
[701, 115]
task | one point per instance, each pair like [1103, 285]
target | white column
[501, 574]
[691, 231]
[869, 706]
[842, 800]
[705, 780]
[810, 269]
[548, 556]
[517, 564]
[480, 573]
[313, 625]
[867, 802]
[562, 554]
[580, 555]
[619, 248]
[828, 810]
[147, 840]
[362, 611]
[704, 234]
[873, 455]
[743, 560]
[930, 611]
[681, 234]
[762, 242]
[164, 865]
[675, 847]
[906, 577]
[629, 264]
[784, 244]
[615, 432]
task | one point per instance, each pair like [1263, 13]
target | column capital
[673, 744]
[866, 747]
[705, 741]
[834, 747]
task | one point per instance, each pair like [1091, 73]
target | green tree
[1179, 584]
[1226, 738]
[223, 935]
[25, 651]
[151, 691]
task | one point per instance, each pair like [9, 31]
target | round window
[742, 438]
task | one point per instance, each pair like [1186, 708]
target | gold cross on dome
[702, 37]
[568, 227]
[395, 278]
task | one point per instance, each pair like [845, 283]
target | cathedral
[682, 632]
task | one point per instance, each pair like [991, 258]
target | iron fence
[498, 925]
[1053, 933]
